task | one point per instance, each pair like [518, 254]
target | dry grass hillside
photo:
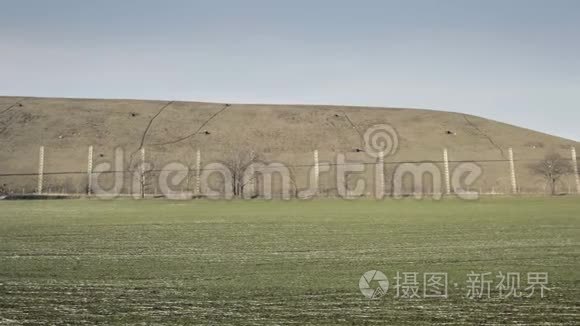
[173, 131]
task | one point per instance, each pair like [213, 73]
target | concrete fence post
[90, 171]
[198, 173]
[447, 177]
[513, 172]
[143, 172]
[316, 171]
[40, 170]
[575, 168]
[380, 177]
[252, 188]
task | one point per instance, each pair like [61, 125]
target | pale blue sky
[516, 61]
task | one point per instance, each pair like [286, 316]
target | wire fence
[289, 166]
[496, 177]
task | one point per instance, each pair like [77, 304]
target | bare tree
[238, 160]
[552, 168]
[292, 175]
[141, 175]
[189, 158]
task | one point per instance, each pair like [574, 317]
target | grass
[258, 262]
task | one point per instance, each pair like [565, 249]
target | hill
[174, 131]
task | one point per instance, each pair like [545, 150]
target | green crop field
[298, 262]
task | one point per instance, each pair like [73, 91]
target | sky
[515, 61]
